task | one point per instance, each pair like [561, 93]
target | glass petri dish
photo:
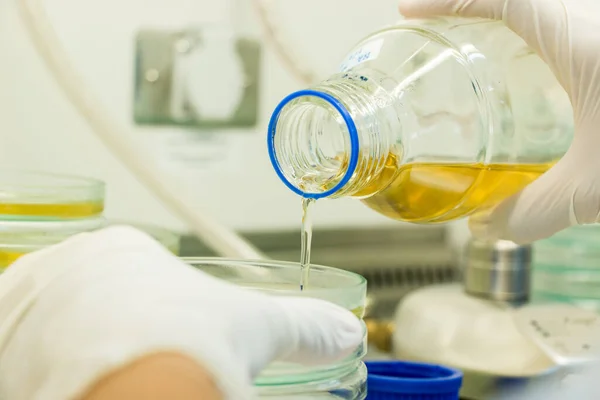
[578, 287]
[343, 288]
[566, 267]
[575, 248]
[42, 196]
[18, 238]
[591, 303]
[350, 385]
[340, 287]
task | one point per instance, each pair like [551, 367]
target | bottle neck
[332, 140]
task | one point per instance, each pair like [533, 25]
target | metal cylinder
[499, 270]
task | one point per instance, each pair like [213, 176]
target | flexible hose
[222, 240]
[295, 65]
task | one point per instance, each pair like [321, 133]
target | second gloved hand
[72, 313]
[565, 34]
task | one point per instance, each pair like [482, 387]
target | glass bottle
[427, 121]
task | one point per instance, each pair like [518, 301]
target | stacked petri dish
[35, 196]
[18, 238]
[566, 267]
[39, 209]
[345, 379]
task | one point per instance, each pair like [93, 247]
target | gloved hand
[73, 312]
[565, 34]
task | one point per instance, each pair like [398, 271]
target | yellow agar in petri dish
[63, 211]
[42, 196]
[8, 257]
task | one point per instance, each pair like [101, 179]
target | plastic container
[41, 196]
[401, 380]
[426, 121]
[344, 380]
[566, 267]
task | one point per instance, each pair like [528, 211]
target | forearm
[162, 376]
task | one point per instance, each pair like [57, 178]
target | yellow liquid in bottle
[57, 210]
[439, 192]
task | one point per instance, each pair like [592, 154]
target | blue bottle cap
[401, 380]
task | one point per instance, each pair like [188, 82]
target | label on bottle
[364, 53]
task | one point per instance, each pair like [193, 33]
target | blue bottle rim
[402, 377]
[352, 131]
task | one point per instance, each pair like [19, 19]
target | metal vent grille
[386, 287]
[408, 276]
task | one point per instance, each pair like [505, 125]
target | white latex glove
[566, 34]
[72, 313]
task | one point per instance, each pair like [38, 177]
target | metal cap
[497, 270]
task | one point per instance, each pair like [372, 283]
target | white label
[365, 53]
[568, 334]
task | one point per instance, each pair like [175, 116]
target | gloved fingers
[317, 331]
[543, 24]
[528, 18]
[562, 197]
[465, 8]
[303, 330]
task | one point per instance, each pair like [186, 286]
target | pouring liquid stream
[305, 242]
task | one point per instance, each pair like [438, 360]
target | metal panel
[155, 55]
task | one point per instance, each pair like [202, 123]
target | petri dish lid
[52, 227]
[28, 195]
[33, 235]
[18, 238]
[571, 251]
[338, 286]
[21, 237]
[402, 380]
